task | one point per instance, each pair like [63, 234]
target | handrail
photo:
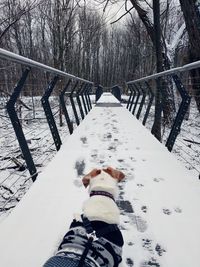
[11, 108]
[185, 96]
[186, 67]
[31, 63]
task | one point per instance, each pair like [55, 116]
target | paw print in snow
[167, 211]
[129, 262]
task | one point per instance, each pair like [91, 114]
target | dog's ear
[121, 176]
[86, 180]
[92, 174]
[116, 174]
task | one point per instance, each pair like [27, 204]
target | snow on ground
[14, 182]
[187, 144]
[159, 199]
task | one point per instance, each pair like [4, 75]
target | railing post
[133, 97]
[138, 96]
[79, 101]
[141, 103]
[10, 106]
[99, 92]
[83, 99]
[180, 114]
[116, 92]
[64, 109]
[151, 97]
[49, 114]
[129, 99]
[88, 95]
[73, 104]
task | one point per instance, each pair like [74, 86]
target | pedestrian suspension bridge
[158, 200]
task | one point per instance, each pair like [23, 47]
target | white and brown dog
[103, 186]
[101, 214]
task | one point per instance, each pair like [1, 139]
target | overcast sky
[112, 12]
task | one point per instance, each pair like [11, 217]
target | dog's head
[104, 179]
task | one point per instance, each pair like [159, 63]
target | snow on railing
[44, 105]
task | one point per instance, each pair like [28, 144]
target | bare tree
[191, 12]
[73, 37]
[13, 11]
[156, 129]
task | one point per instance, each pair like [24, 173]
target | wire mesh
[187, 144]
[15, 179]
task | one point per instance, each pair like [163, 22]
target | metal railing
[61, 92]
[187, 67]
[4, 54]
[141, 103]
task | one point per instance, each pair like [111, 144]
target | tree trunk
[167, 93]
[191, 14]
[156, 129]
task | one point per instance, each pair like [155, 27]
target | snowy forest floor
[159, 199]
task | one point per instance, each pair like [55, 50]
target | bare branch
[20, 14]
[148, 4]
[122, 15]
[104, 9]
[11, 24]
[6, 209]
[18, 100]
[191, 141]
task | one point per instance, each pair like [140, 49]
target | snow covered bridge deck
[159, 201]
